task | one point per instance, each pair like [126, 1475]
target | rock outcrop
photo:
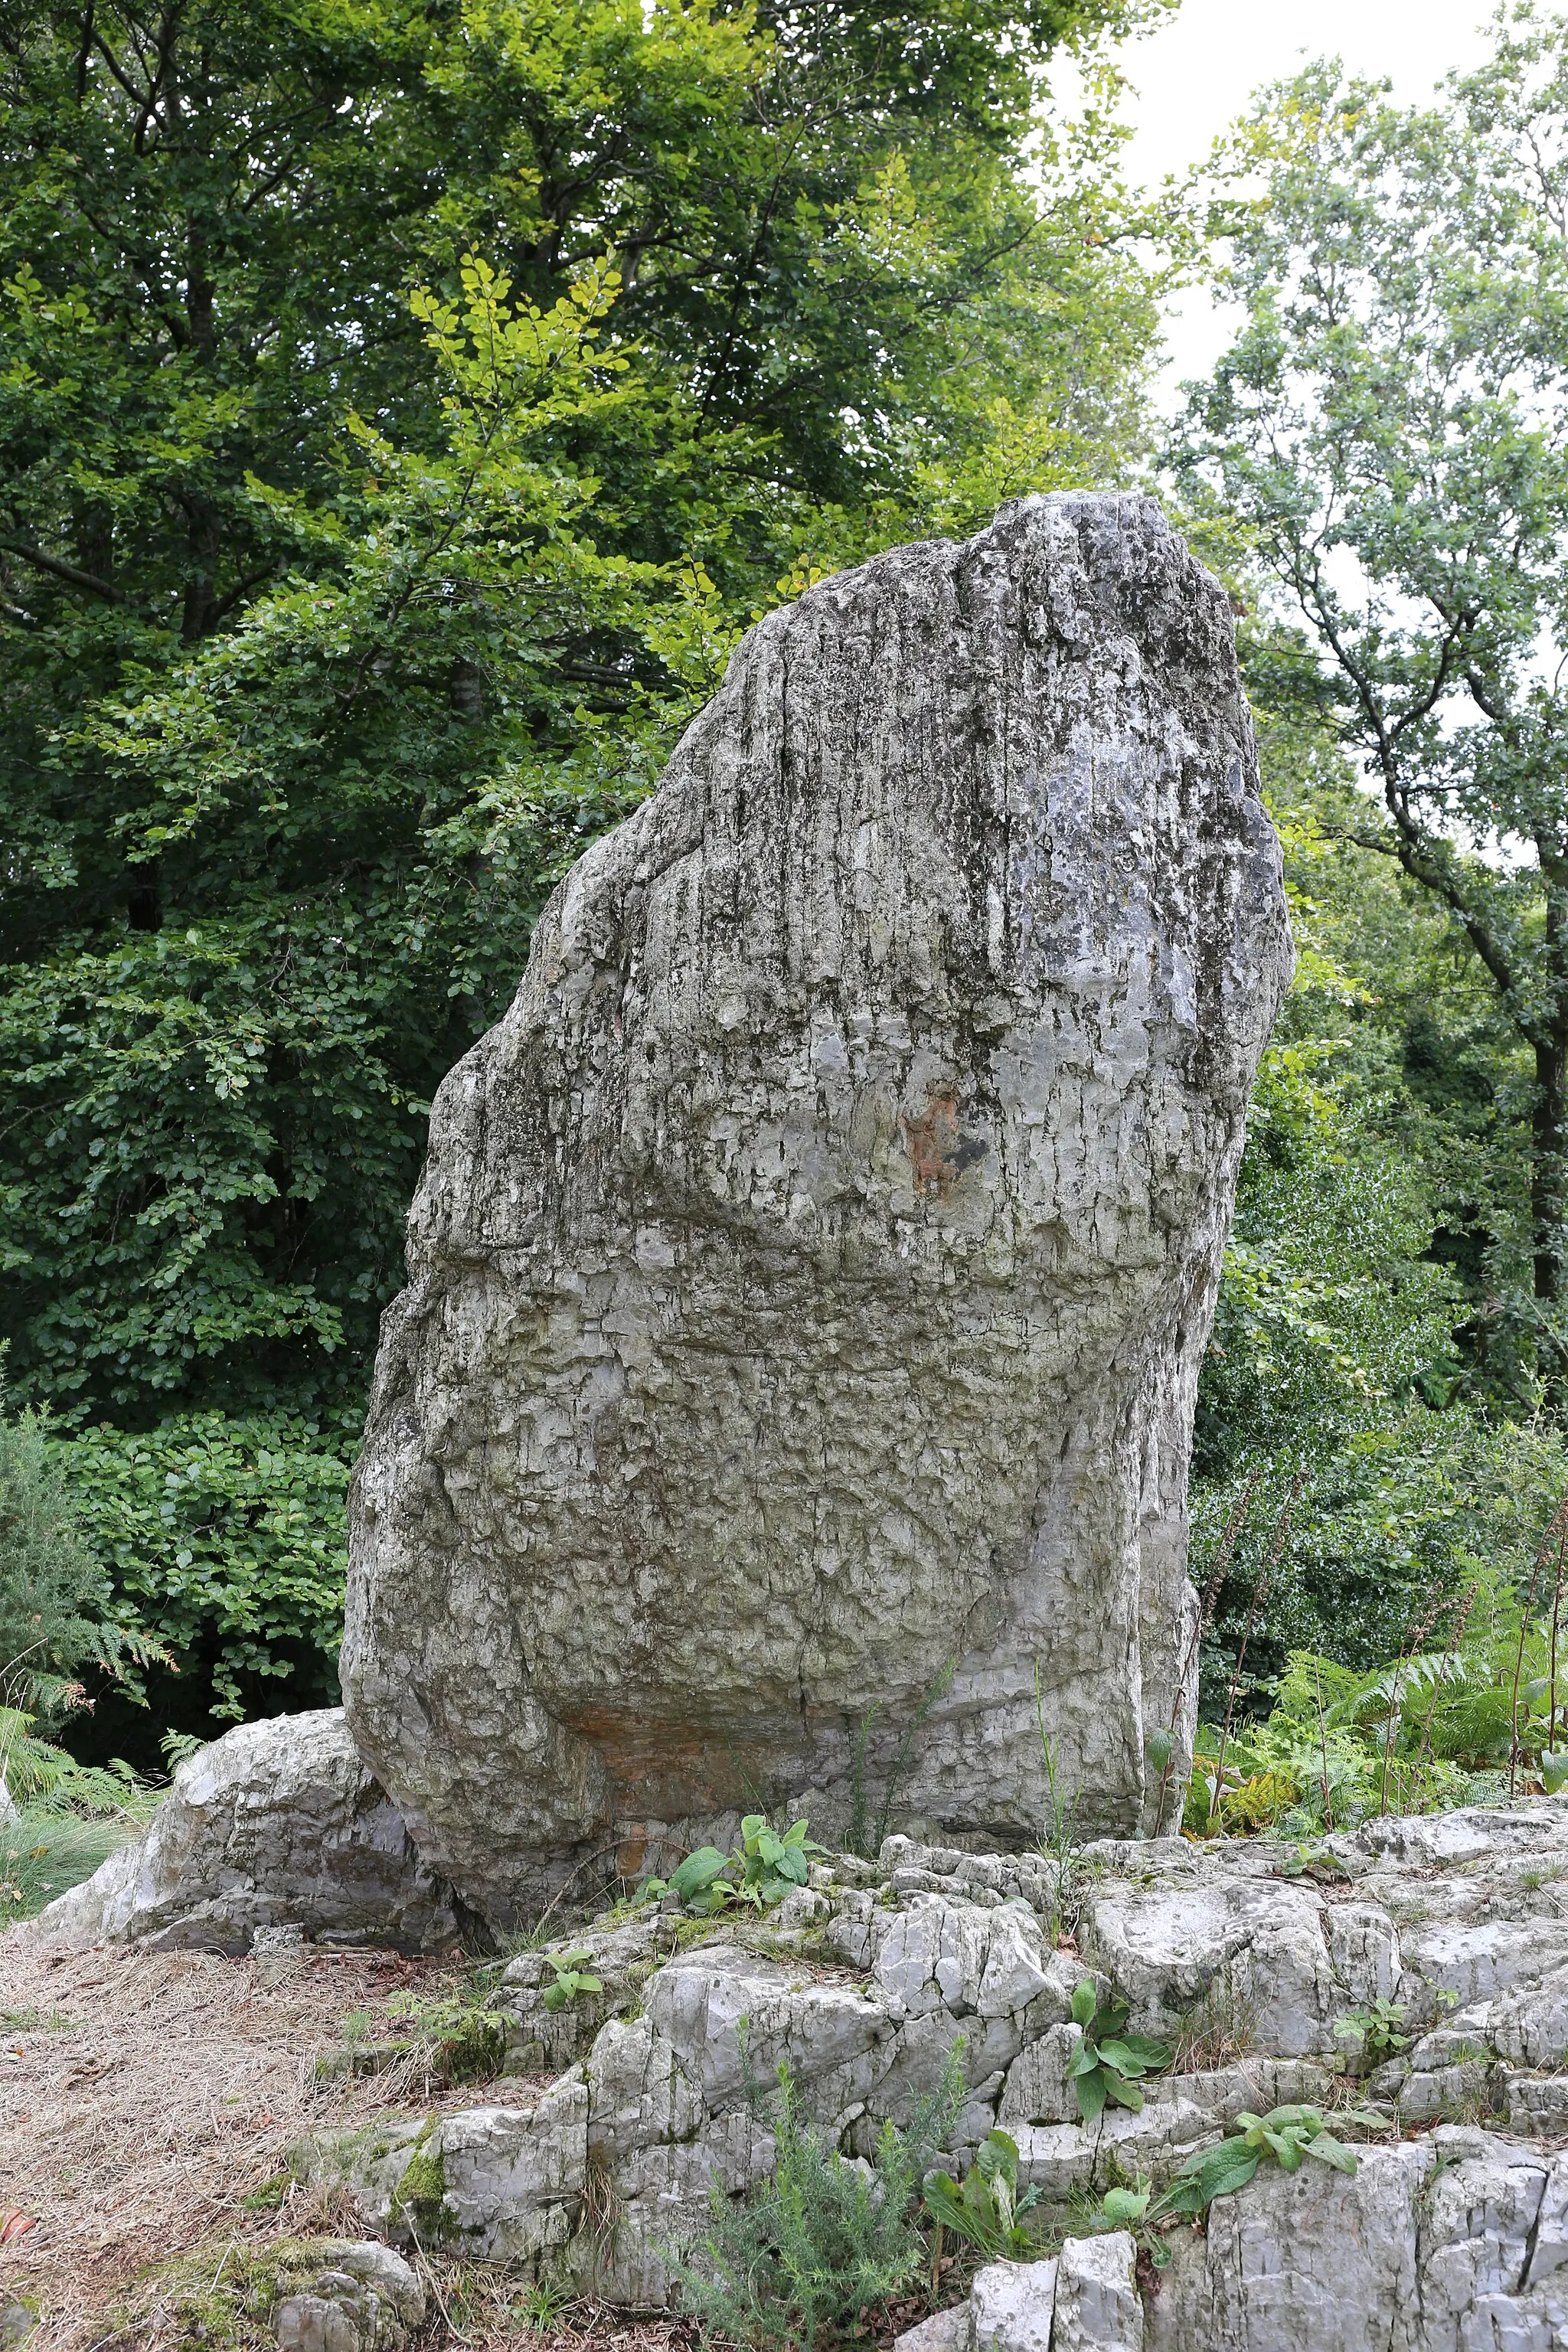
[810, 1273]
[1451, 2234]
[275, 1825]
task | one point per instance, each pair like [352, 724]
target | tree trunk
[1549, 1135]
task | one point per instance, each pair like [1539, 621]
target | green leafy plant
[541, 2306]
[1138, 2211]
[1372, 2033]
[464, 2040]
[1110, 2063]
[1285, 2135]
[766, 1865]
[698, 1884]
[570, 1978]
[822, 2238]
[773, 1864]
[986, 2208]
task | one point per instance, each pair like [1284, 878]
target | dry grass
[144, 2097]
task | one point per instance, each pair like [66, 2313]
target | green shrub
[818, 2241]
[56, 1612]
[225, 1542]
[1451, 1721]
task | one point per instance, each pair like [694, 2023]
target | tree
[1390, 423]
[401, 413]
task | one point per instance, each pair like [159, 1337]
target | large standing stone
[810, 1273]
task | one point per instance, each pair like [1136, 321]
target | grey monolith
[811, 1271]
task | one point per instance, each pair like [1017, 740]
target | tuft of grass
[47, 1850]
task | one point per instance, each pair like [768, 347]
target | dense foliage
[1390, 426]
[1377, 463]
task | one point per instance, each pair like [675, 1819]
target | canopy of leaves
[1389, 426]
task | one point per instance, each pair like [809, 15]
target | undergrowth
[1476, 1708]
[822, 2237]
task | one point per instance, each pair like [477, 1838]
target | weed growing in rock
[541, 2306]
[1110, 2063]
[867, 1831]
[1373, 2035]
[570, 1977]
[986, 2208]
[766, 1865]
[1058, 1839]
[1221, 2027]
[772, 1865]
[822, 2237]
[465, 2041]
[1285, 2135]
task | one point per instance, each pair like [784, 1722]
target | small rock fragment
[1011, 2306]
[1097, 2307]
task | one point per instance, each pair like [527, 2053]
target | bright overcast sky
[1197, 74]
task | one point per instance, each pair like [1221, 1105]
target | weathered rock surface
[1452, 2235]
[810, 1273]
[277, 1825]
[365, 2298]
[1011, 2306]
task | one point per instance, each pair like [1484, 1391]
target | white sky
[1197, 74]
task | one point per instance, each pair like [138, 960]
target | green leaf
[997, 2158]
[1120, 2056]
[698, 1872]
[1221, 2171]
[1329, 2150]
[1125, 2094]
[1091, 2089]
[1083, 2000]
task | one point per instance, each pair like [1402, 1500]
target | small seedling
[541, 2305]
[467, 2041]
[1138, 2211]
[986, 2208]
[570, 1977]
[1373, 2035]
[1110, 2063]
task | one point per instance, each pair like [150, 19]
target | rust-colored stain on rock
[940, 1150]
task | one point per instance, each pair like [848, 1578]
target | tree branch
[87, 581]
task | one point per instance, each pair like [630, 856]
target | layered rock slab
[810, 1273]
